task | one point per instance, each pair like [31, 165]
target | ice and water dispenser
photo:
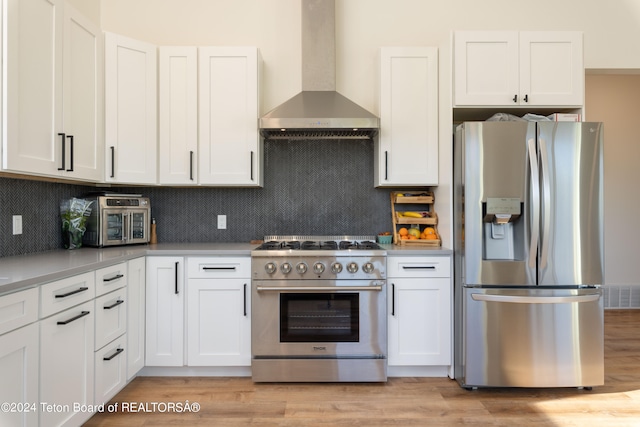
[502, 229]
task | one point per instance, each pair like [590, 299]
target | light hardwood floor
[400, 401]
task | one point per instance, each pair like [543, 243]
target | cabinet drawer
[111, 278]
[62, 294]
[111, 317]
[418, 266]
[110, 370]
[218, 267]
[18, 309]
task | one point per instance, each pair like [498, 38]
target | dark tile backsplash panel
[310, 187]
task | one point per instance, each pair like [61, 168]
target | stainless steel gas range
[319, 309]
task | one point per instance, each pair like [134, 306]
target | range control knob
[318, 268]
[301, 268]
[285, 268]
[336, 268]
[367, 267]
[352, 267]
[270, 267]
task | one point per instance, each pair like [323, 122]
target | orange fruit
[431, 237]
[429, 230]
[403, 231]
[405, 237]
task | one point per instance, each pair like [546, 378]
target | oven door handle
[318, 288]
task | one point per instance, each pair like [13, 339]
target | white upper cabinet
[52, 90]
[407, 148]
[178, 115]
[83, 109]
[230, 150]
[510, 68]
[130, 110]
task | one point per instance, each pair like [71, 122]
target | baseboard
[621, 296]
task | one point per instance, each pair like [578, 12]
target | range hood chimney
[319, 112]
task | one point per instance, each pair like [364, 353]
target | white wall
[613, 99]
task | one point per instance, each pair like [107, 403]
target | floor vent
[621, 297]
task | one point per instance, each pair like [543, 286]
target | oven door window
[114, 230]
[319, 317]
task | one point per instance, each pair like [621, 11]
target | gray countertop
[25, 271]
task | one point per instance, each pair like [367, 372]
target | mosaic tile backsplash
[310, 187]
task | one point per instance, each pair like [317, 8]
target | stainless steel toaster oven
[118, 219]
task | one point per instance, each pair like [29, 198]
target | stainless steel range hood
[319, 112]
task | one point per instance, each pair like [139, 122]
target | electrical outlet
[17, 224]
[222, 222]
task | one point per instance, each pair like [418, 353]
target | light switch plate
[17, 224]
[222, 222]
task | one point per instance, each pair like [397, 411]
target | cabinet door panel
[408, 143]
[551, 67]
[33, 86]
[83, 100]
[165, 311]
[219, 322]
[486, 68]
[228, 113]
[67, 364]
[19, 373]
[136, 298]
[130, 110]
[178, 109]
[420, 322]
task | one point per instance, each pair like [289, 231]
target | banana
[412, 214]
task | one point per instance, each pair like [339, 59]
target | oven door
[319, 318]
[124, 226]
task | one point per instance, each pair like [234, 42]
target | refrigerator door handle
[535, 202]
[546, 194]
[535, 300]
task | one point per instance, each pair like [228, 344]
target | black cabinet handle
[251, 166]
[191, 165]
[419, 267]
[64, 155]
[71, 152]
[117, 276]
[219, 268]
[113, 161]
[117, 352]
[526, 98]
[66, 322]
[515, 98]
[386, 165]
[393, 299]
[68, 294]
[176, 277]
[114, 305]
[245, 300]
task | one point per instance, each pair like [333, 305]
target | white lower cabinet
[111, 317]
[135, 316]
[419, 311]
[165, 311]
[19, 373]
[219, 311]
[111, 369]
[67, 366]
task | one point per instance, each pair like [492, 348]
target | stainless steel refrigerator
[528, 254]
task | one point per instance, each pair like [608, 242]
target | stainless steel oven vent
[324, 134]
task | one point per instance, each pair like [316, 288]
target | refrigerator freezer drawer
[533, 338]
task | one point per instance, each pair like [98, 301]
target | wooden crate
[403, 201]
